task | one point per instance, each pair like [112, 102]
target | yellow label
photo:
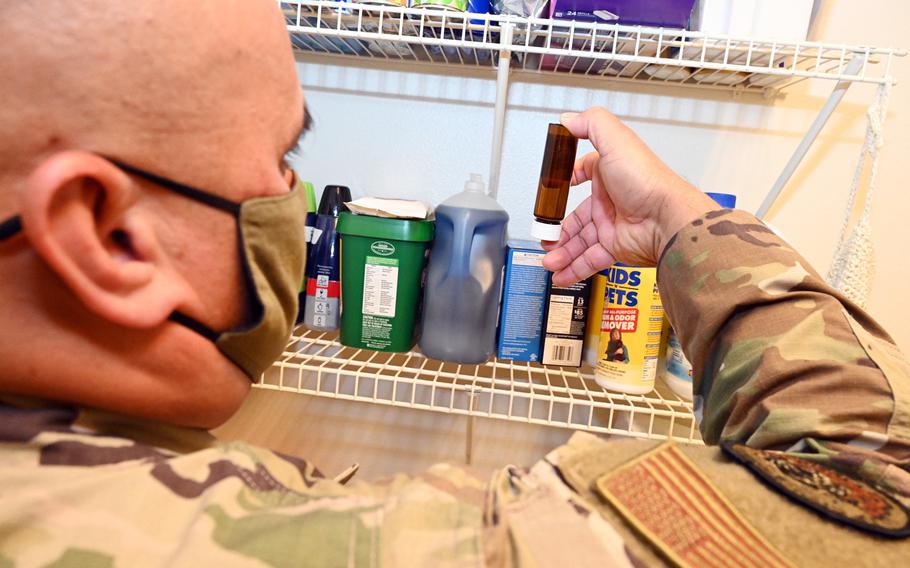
[631, 327]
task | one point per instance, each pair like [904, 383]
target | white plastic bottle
[678, 372]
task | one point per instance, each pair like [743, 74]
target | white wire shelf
[314, 363]
[612, 51]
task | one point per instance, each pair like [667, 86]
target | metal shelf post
[502, 100]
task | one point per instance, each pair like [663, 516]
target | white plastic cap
[545, 231]
[474, 196]
[475, 184]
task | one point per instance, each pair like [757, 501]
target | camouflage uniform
[783, 362]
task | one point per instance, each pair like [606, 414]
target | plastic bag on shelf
[525, 8]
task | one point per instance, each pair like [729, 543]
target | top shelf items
[616, 52]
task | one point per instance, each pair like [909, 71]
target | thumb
[598, 125]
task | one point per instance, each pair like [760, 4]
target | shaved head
[134, 77]
[202, 92]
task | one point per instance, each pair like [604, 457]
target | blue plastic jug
[464, 277]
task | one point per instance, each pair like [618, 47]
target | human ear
[81, 215]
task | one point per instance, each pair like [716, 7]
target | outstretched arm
[780, 360]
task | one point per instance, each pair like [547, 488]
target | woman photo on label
[616, 350]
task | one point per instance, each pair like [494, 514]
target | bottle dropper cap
[333, 200]
[545, 231]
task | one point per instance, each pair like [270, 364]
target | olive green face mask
[271, 241]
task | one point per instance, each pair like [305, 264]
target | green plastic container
[382, 269]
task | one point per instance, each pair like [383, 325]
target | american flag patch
[676, 508]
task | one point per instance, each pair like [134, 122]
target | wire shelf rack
[314, 363]
[611, 51]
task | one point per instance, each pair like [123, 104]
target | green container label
[376, 333]
[380, 287]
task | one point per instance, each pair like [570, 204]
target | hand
[637, 203]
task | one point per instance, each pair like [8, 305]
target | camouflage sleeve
[780, 359]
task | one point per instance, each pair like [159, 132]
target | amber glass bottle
[553, 188]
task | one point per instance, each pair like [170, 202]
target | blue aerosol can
[323, 279]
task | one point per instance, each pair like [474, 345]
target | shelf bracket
[502, 99]
[840, 89]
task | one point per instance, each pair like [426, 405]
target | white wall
[884, 23]
[397, 132]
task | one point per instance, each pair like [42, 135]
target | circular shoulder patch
[832, 493]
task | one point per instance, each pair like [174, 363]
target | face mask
[272, 248]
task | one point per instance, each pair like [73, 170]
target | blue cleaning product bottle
[323, 282]
[464, 277]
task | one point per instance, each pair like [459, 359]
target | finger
[584, 168]
[564, 255]
[571, 225]
[594, 259]
[549, 245]
[576, 220]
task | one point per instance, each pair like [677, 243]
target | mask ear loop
[204, 197]
[10, 228]
[256, 303]
[13, 226]
[196, 195]
[194, 325]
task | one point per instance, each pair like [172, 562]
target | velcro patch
[676, 508]
[832, 493]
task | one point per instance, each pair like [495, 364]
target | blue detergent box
[524, 297]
